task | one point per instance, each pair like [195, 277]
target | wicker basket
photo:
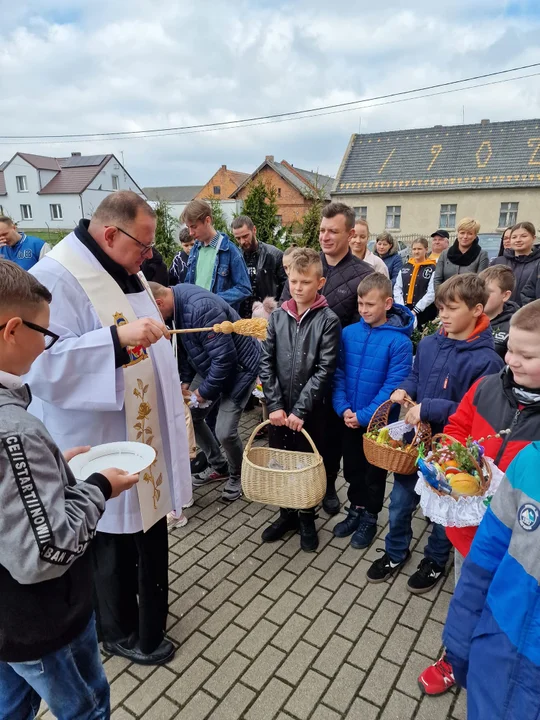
[483, 469]
[389, 458]
[289, 486]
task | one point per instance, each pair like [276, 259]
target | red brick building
[222, 184]
[295, 188]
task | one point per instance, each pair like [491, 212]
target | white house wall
[102, 185]
[73, 205]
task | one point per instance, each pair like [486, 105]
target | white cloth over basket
[398, 429]
[466, 511]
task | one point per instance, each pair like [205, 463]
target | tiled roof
[457, 157]
[306, 185]
[238, 176]
[74, 179]
[40, 162]
[82, 160]
[173, 194]
[322, 182]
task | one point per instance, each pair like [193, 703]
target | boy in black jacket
[48, 641]
[297, 365]
[500, 282]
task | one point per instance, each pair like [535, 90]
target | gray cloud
[69, 66]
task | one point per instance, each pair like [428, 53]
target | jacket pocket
[223, 270]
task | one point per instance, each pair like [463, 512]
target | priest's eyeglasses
[145, 248]
[50, 337]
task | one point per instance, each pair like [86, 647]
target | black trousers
[366, 482]
[332, 448]
[132, 585]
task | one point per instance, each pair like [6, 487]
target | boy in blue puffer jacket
[492, 632]
[375, 357]
[446, 365]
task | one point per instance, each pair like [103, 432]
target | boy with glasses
[48, 641]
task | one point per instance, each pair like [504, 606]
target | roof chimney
[270, 158]
[438, 127]
[75, 154]
[484, 122]
[223, 167]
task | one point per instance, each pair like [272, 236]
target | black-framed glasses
[50, 337]
[145, 248]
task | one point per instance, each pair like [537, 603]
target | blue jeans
[71, 681]
[403, 503]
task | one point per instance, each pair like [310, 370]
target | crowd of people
[86, 358]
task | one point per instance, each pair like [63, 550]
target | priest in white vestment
[112, 376]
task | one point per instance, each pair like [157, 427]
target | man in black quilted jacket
[343, 273]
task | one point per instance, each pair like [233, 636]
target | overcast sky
[73, 66]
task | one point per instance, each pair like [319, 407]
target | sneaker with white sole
[209, 476]
[175, 521]
[189, 504]
[437, 678]
[232, 490]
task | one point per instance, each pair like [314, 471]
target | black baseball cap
[441, 233]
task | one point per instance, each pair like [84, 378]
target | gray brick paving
[269, 632]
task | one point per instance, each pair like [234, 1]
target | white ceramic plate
[130, 456]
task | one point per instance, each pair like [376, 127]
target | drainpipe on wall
[82, 208]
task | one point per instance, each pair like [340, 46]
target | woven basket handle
[385, 410]
[267, 422]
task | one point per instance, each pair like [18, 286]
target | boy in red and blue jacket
[509, 401]
[375, 356]
[445, 366]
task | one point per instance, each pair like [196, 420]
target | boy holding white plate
[48, 641]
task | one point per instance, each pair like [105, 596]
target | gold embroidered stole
[140, 391]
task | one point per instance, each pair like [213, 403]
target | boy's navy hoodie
[373, 361]
[444, 369]
[47, 521]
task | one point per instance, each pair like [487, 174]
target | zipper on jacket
[298, 323]
[507, 437]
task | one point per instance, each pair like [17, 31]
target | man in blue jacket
[25, 250]
[215, 263]
[216, 367]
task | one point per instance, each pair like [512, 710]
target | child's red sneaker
[437, 678]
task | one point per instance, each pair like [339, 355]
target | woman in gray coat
[464, 256]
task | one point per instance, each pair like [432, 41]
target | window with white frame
[56, 211]
[448, 216]
[393, 217]
[115, 182]
[360, 212]
[22, 185]
[508, 214]
[26, 212]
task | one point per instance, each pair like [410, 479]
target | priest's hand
[70, 454]
[120, 480]
[142, 333]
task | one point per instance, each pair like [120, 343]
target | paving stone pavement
[267, 631]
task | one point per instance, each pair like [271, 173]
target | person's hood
[393, 251]
[523, 259]
[291, 307]
[509, 308]
[11, 395]
[427, 261]
[481, 336]
[398, 318]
